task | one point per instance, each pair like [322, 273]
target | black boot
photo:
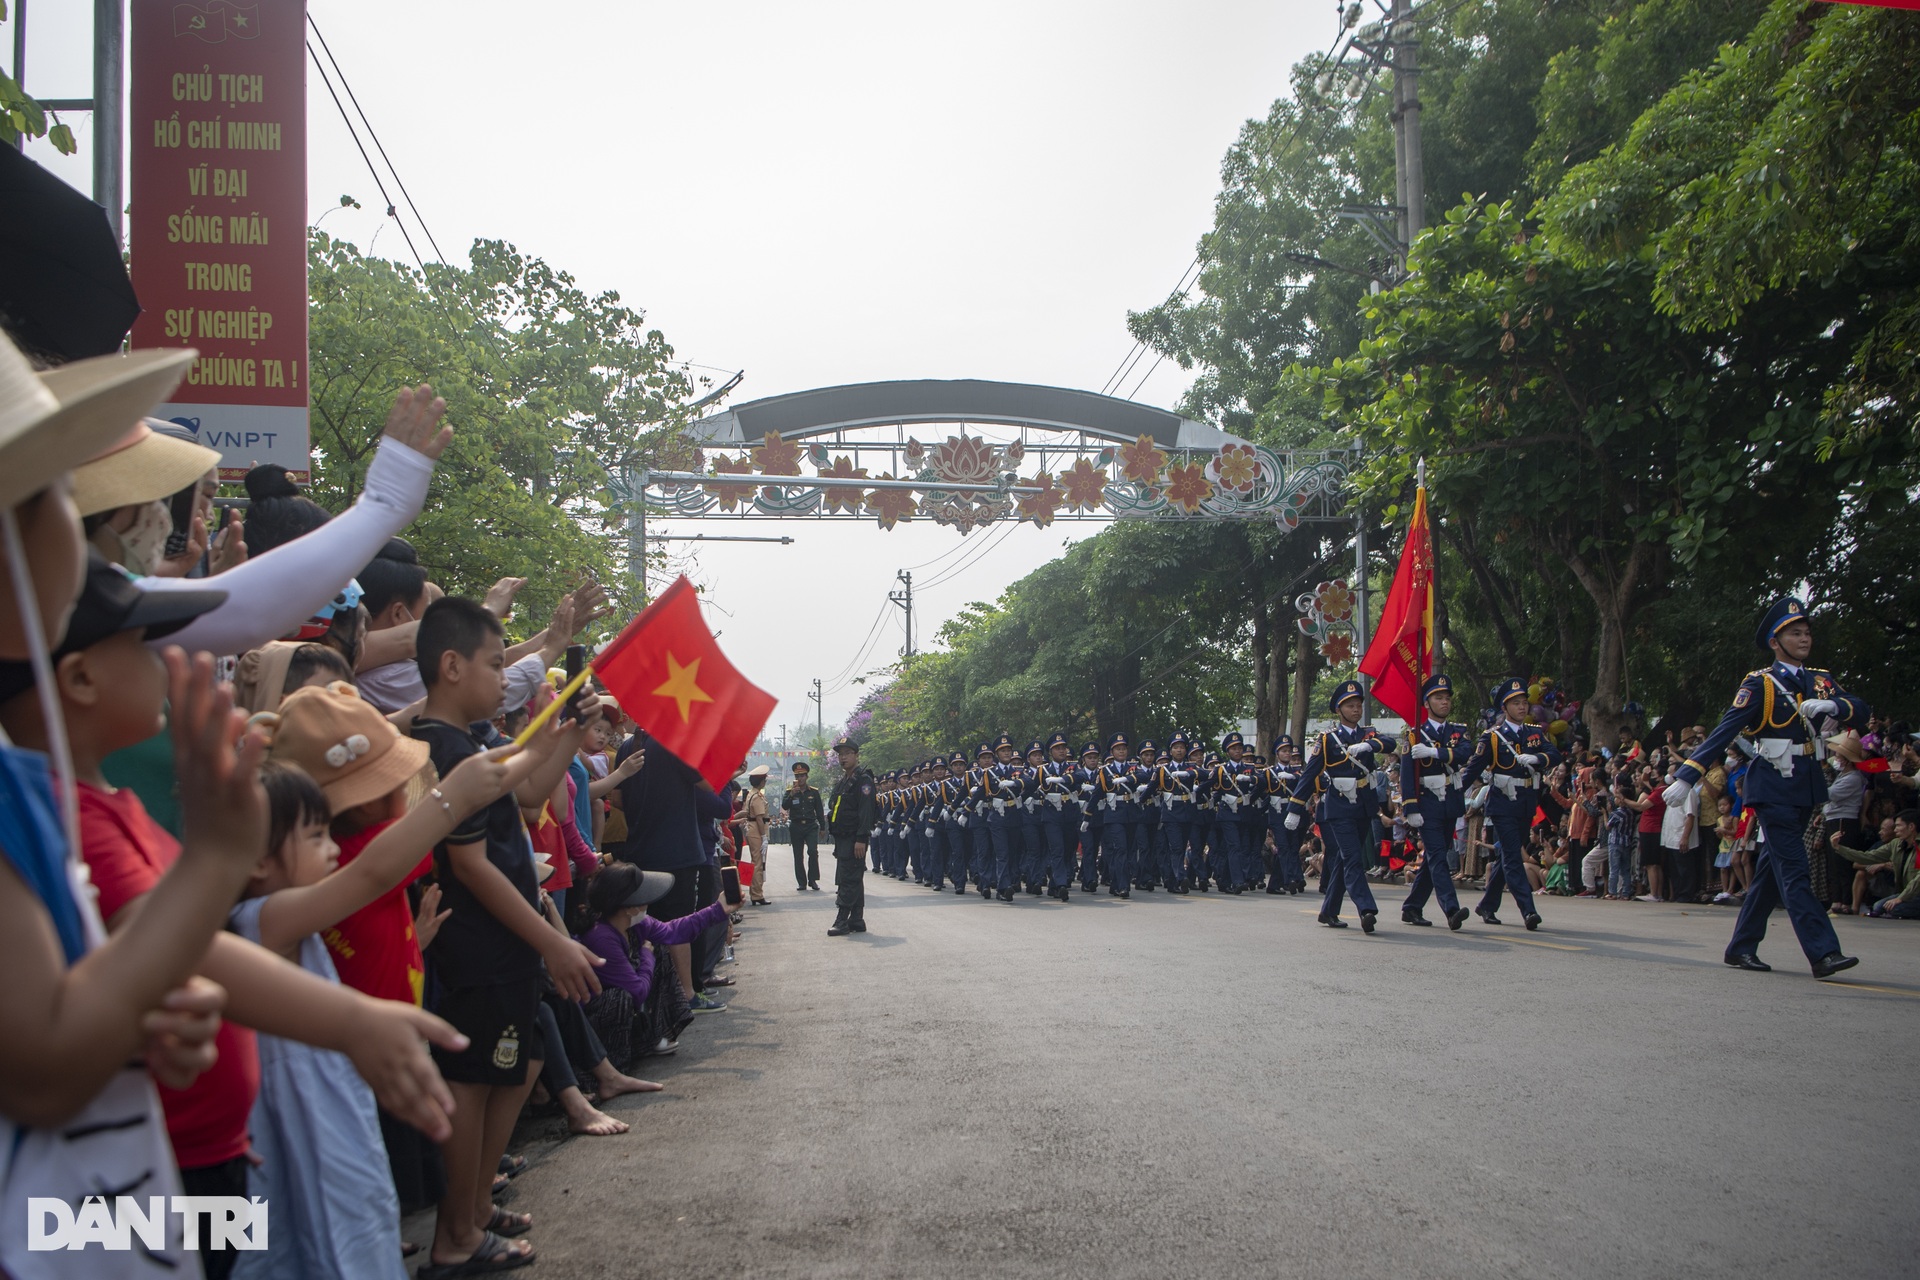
[839, 929]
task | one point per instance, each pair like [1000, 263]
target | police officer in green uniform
[851, 816]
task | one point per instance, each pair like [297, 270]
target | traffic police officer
[1513, 754]
[1338, 767]
[851, 816]
[1434, 801]
[1784, 711]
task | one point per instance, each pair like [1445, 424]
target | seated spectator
[634, 1013]
[1889, 869]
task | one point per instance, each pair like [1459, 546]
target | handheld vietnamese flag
[667, 673]
[1400, 658]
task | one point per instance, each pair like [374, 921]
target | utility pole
[109, 110]
[819, 710]
[1410, 173]
[904, 598]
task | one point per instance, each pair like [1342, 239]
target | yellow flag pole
[547, 712]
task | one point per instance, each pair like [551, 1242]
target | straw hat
[141, 466]
[1847, 746]
[53, 421]
[349, 748]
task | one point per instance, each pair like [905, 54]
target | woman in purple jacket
[632, 1009]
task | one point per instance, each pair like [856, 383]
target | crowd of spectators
[268, 836]
[1603, 828]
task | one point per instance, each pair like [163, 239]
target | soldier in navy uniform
[1430, 772]
[1146, 850]
[1086, 787]
[1233, 783]
[1120, 823]
[1002, 785]
[1173, 784]
[1338, 766]
[1514, 755]
[1276, 785]
[1033, 840]
[1059, 816]
[953, 821]
[983, 870]
[1784, 711]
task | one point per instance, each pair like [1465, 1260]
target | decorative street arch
[1001, 451]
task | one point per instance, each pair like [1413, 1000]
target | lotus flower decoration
[964, 460]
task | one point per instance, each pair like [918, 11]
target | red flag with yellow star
[667, 673]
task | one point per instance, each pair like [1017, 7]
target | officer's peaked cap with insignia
[1512, 686]
[958, 757]
[1091, 749]
[1117, 740]
[844, 743]
[1178, 740]
[1058, 740]
[1341, 692]
[1004, 740]
[984, 749]
[1146, 745]
[1283, 742]
[1036, 746]
[1436, 683]
[1231, 740]
[1782, 611]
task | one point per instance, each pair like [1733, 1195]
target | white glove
[1139, 792]
[1676, 794]
[1819, 707]
[1360, 749]
[1425, 751]
[929, 833]
[1293, 822]
[1530, 760]
[1416, 819]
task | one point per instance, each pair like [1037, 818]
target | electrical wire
[859, 668]
[378, 145]
[877, 618]
[377, 182]
[986, 547]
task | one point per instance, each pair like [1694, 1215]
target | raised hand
[389, 1050]
[427, 920]
[414, 421]
[499, 601]
[229, 545]
[477, 781]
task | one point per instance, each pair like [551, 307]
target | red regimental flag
[1400, 658]
[668, 674]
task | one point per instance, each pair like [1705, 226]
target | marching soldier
[1785, 711]
[1086, 785]
[1337, 767]
[1514, 755]
[953, 821]
[1146, 857]
[1120, 824]
[1174, 781]
[1033, 840]
[1430, 789]
[1003, 825]
[1232, 783]
[1277, 784]
[983, 871]
[851, 817]
[1060, 814]
[1206, 810]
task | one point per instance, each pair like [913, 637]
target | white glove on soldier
[1425, 751]
[1293, 822]
[1819, 707]
[1360, 749]
[1530, 760]
[1416, 819]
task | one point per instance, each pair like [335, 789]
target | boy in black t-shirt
[489, 953]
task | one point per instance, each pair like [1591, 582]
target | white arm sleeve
[523, 677]
[271, 594]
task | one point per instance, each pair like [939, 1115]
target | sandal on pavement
[513, 1166]
[503, 1223]
[493, 1254]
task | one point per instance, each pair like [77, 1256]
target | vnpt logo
[233, 1221]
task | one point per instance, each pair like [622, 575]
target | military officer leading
[1784, 711]
[1513, 754]
[1430, 773]
[851, 816]
[1338, 768]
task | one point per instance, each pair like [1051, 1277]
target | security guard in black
[852, 814]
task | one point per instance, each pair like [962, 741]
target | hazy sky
[816, 193]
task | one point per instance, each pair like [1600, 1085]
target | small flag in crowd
[1400, 658]
[667, 673]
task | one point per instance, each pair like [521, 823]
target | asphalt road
[1216, 1087]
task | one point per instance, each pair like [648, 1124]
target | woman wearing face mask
[125, 498]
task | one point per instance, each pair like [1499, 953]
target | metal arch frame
[967, 481]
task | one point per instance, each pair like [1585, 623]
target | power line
[858, 669]
[355, 135]
[985, 548]
[397, 179]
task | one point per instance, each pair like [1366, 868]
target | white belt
[1348, 788]
[1055, 799]
[1435, 782]
[1506, 785]
[999, 806]
[1778, 752]
[1232, 802]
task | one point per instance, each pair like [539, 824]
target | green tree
[547, 386]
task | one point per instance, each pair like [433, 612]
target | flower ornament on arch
[1187, 486]
[1040, 507]
[1141, 461]
[1235, 468]
[778, 456]
[730, 496]
[1084, 485]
